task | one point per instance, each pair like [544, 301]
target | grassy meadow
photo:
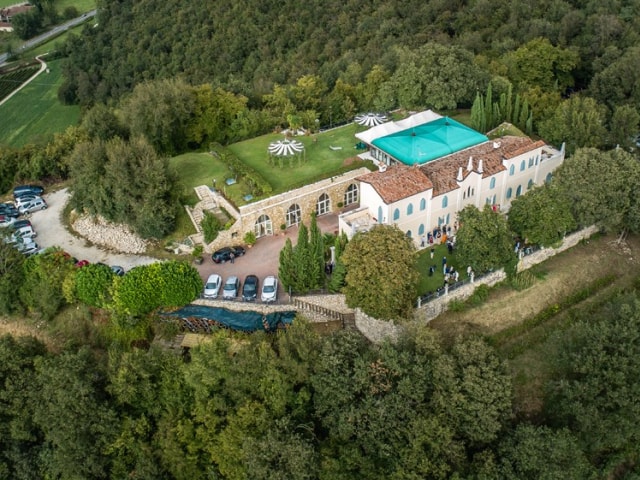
[35, 113]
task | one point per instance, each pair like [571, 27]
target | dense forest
[295, 405]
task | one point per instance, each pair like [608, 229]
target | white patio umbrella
[285, 148]
[371, 119]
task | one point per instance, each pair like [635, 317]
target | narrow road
[32, 42]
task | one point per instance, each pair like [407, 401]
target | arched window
[324, 205]
[410, 209]
[523, 165]
[421, 229]
[380, 219]
[548, 179]
[519, 191]
[445, 202]
[423, 204]
[512, 169]
[530, 184]
[509, 191]
[446, 220]
[396, 214]
[531, 162]
[409, 233]
[351, 195]
[293, 215]
[263, 226]
[492, 183]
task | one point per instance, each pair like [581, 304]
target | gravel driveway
[52, 232]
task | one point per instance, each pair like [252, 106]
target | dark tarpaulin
[245, 321]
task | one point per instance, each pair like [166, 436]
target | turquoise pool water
[421, 144]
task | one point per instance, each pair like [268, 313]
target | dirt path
[568, 272]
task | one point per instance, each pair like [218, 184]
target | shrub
[211, 226]
[479, 295]
[522, 280]
[250, 237]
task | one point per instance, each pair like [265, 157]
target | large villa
[429, 168]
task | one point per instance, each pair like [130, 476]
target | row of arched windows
[293, 215]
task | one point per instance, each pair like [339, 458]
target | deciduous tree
[381, 273]
[483, 240]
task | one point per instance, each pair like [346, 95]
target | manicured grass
[319, 161]
[35, 112]
[426, 283]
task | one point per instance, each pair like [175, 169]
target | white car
[269, 289]
[212, 287]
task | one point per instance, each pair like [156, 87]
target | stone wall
[376, 330]
[276, 207]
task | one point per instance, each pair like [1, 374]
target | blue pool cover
[431, 140]
[245, 321]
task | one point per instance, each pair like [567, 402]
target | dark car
[250, 288]
[21, 223]
[9, 209]
[22, 190]
[225, 254]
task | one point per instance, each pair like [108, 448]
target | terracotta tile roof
[443, 171]
[397, 182]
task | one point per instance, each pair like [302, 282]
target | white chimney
[480, 168]
[459, 177]
[470, 164]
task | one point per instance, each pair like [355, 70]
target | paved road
[32, 42]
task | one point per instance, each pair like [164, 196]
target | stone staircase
[319, 312]
[207, 203]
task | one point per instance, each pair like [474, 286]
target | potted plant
[197, 254]
[283, 227]
[250, 238]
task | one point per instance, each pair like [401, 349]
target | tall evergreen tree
[302, 261]
[316, 249]
[286, 270]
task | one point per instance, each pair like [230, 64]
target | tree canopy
[381, 273]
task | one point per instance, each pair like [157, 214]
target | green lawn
[320, 160]
[426, 283]
[35, 112]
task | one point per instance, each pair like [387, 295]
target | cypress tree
[516, 110]
[286, 270]
[302, 261]
[316, 249]
[488, 108]
[477, 114]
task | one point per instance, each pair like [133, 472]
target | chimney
[470, 164]
[459, 177]
[496, 144]
[480, 168]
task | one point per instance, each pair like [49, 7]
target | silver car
[231, 288]
[32, 206]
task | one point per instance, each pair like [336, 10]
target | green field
[320, 161]
[35, 112]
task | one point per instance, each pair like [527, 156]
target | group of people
[439, 235]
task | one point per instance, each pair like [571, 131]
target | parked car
[32, 206]
[224, 254]
[212, 286]
[24, 231]
[25, 199]
[21, 223]
[21, 190]
[231, 288]
[26, 245]
[269, 289]
[118, 270]
[9, 209]
[250, 288]
[6, 221]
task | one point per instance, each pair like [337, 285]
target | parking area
[263, 258]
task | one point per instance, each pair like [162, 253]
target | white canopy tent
[285, 148]
[371, 119]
